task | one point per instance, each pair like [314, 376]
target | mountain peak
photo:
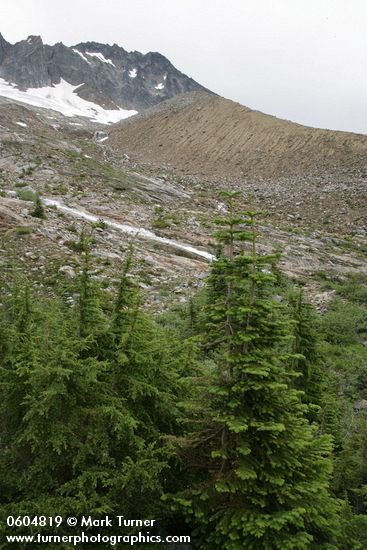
[35, 39]
[109, 76]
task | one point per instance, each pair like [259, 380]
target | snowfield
[62, 98]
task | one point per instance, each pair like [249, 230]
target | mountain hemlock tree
[260, 475]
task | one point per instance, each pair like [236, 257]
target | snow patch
[22, 124]
[62, 98]
[81, 55]
[101, 57]
[160, 86]
[133, 73]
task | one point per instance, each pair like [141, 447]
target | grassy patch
[101, 224]
[26, 195]
[24, 230]
[164, 219]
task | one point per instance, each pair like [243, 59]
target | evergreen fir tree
[91, 318]
[307, 358]
[146, 370]
[351, 465]
[39, 210]
[70, 440]
[260, 476]
[308, 361]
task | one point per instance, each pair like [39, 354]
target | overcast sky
[303, 60]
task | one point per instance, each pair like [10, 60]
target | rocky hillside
[92, 186]
[106, 75]
[207, 134]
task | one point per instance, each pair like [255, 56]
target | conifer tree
[351, 465]
[306, 360]
[70, 440]
[259, 474]
[39, 210]
[146, 369]
[91, 318]
[127, 295]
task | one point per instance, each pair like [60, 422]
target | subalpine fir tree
[146, 370]
[306, 360]
[39, 210]
[127, 295]
[73, 438]
[260, 475]
[313, 378]
[91, 318]
[351, 464]
[350, 482]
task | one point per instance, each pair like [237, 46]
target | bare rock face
[25, 64]
[68, 271]
[107, 75]
[99, 136]
[4, 45]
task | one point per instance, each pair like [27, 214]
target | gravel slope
[205, 134]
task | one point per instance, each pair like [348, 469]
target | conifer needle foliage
[86, 398]
[261, 474]
[212, 419]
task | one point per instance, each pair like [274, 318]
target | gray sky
[303, 60]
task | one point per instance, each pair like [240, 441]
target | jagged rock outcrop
[107, 75]
[4, 45]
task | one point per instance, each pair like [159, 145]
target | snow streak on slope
[81, 55]
[61, 97]
[130, 230]
[101, 57]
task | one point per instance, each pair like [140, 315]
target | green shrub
[164, 219]
[26, 195]
[355, 289]
[71, 228]
[27, 171]
[160, 223]
[99, 223]
[23, 230]
[344, 323]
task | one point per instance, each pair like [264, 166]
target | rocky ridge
[106, 75]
